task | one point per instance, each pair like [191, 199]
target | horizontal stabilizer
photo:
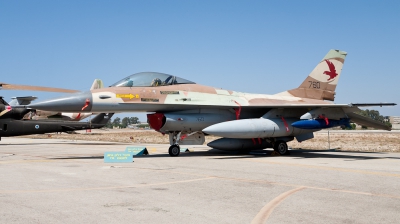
[22, 100]
[368, 122]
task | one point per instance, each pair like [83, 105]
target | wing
[365, 121]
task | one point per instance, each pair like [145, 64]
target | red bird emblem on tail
[332, 70]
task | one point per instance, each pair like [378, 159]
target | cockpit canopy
[150, 79]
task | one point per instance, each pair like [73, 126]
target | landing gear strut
[281, 147]
[174, 150]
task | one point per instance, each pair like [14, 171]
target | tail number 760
[314, 85]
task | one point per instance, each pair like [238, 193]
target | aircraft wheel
[174, 150]
[281, 147]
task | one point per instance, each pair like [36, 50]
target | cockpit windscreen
[150, 79]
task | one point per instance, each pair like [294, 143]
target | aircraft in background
[187, 111]
[12, 125]
[41, 114]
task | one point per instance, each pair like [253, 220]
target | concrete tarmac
[64, 181]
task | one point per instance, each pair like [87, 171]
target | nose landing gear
[174, 150]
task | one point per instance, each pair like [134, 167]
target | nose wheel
[174, 150]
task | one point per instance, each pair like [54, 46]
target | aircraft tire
[174, 150]
[281, 147]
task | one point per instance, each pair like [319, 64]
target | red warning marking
[259, 141]
[86, 104]
[183, 137]
[77, 117]
[325, 118]
[238, 110]
[254, 141]
[286, 125]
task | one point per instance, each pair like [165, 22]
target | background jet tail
[322, 81]
[3, 102]
[102, 118]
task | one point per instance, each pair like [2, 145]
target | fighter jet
[41, 114]
[186, 111]
[12, 125]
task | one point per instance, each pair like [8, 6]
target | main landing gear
[281, 147]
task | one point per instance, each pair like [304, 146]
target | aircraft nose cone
[76, 102]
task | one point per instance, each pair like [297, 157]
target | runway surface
[64, 181]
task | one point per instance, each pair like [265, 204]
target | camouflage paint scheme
[311, 93]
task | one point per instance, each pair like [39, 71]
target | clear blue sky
[248, 46]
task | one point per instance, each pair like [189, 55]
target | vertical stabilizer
[322, 81]
[97, 84]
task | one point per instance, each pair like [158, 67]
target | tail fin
[97, 84]
[102, 118]
[322, 81]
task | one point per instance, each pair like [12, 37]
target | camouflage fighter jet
[187, 111]
[12, 125]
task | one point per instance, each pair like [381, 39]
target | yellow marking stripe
[130, 96]
[263, 215]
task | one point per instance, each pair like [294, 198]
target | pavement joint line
[101, 188]
[330, 168]
[277, 183]
[234, 179]
[47, 160]
[27, 161]
[263, 215]
[354, 192]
